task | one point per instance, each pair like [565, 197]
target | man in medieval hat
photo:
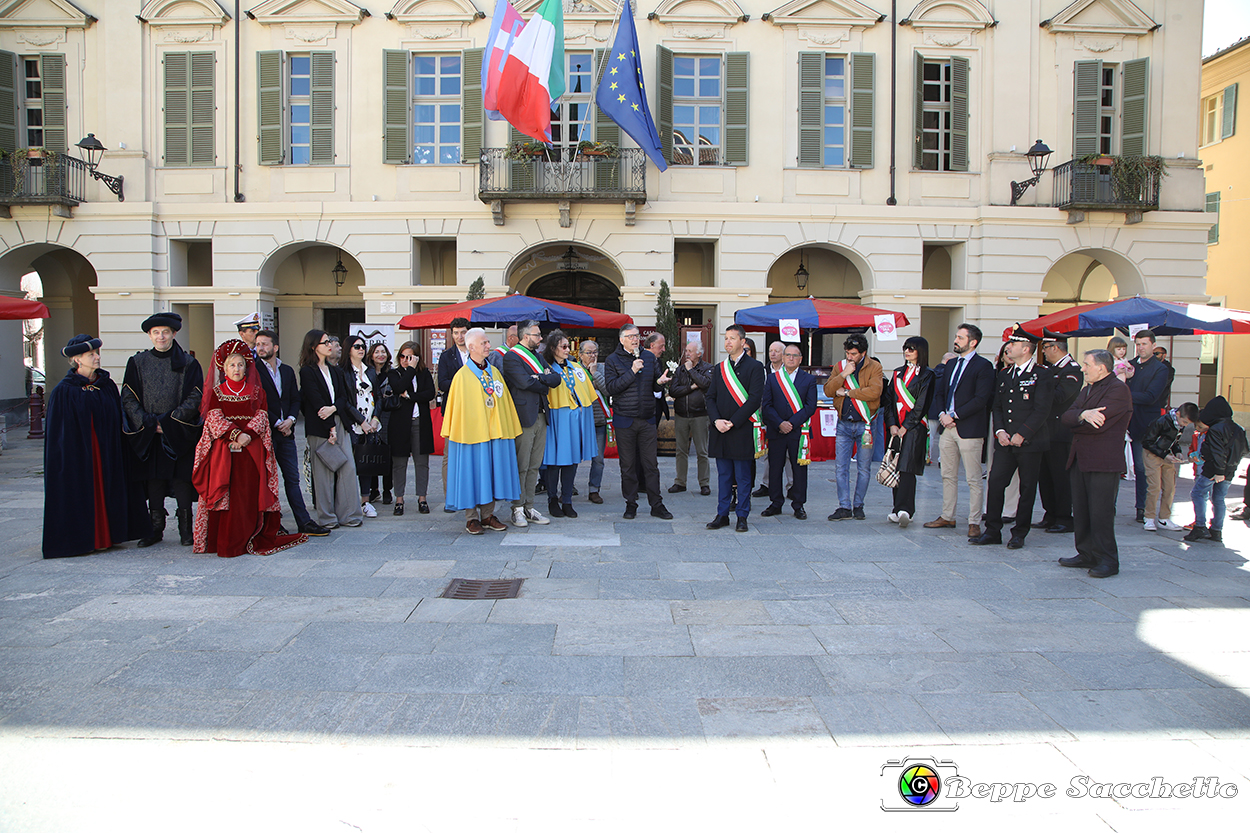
[161, 394]
[1021, 414]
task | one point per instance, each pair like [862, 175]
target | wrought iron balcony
[54, 179]
[545, 177]
[1086, 186]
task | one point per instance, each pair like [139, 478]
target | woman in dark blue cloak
[89, 502]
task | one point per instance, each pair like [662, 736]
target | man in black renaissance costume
[161, 399]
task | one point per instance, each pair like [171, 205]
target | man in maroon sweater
[1097, 419]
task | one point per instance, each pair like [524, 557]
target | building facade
[876, 146]
[1226, 369]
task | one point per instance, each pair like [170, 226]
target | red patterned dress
[239, 510]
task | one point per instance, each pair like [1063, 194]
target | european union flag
[622, 96]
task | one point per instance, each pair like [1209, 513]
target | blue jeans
[1139, 474]
[288, 463]
[729, 473]
[1205, 487]
[850, 433]
[596, 465]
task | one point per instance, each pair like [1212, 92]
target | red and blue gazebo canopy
[1164, 318]
[816, 314]
[509, 309]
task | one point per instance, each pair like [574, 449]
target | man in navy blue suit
[966, 392]
[732, 402]
[789, 403]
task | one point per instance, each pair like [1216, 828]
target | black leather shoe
[554, 509]
[313, 530]
[742, 525]
[1103, 572]
[1076, 561]
[1010, 520]
[661, 512]
[569, 511]
[1198, 533]
[399, 509]
[800, 513]
[705, 490]
[674, 489]
[1044, 523]
[631, 511]
[762, 491]
[719, 522]
[386, 496]
[1016, 543]
[423, 507]
[770, 511]
[1060, 528]
[986, 538]
[1141, 519]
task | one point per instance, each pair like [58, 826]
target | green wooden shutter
[471, 114]
[396, 100]
[203, 108]
[863, 84]
[607, 171]
[737, 107]
[664, 100]
[322, 111]
[1136, 107]
[811, 109]
[8, 102]
[1229, 126]
[1086, 107]
[177, 108]
[917, 157]
[1213, 206]
[52, 69]
[959, 114]
[270, 104]
[520, 171]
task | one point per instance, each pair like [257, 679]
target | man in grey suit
[529, 378]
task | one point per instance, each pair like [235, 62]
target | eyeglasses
[324, 343]
[634, 335]
[909, 349]
[358, 347]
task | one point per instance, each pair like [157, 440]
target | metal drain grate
[464, 588]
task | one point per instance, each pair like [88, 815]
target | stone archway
[301, 278]
[834, 274]
[1088, 276]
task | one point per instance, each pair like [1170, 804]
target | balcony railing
[604, 178]
[1083, 186]
[55, 179]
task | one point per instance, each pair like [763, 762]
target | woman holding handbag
[905, 402]
[328, 409]
[411, 428]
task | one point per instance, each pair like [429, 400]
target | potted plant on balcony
[524, 151]
[607, 150]
[1129, 173]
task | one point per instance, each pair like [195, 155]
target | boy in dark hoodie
[1222, 450]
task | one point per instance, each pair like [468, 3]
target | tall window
[568, 119]
[835, 112]
[1219, 115]
[436, 107]
[33, 102]
[936, 124]
[301, 109]
[1110, 108]
[296, 94]
[697, 106]
[1107, 111]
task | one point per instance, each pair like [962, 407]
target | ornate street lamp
[340, 274]
[94, 151]
[1038, 155]
[801, 274]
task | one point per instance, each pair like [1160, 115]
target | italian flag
[533, 76]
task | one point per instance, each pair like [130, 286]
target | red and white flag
[533, 74]
[505, 25]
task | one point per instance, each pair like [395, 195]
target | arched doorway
[582, 288]
[572, 274]
[308, 292]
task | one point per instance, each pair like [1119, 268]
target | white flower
[672, 366]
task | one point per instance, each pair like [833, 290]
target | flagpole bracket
[631, 208]
[496, 211]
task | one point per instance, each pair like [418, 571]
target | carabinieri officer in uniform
[1021, 427]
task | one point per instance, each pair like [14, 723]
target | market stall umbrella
[509, 309]
[816, 314]
[21, 309]
[1164, 318]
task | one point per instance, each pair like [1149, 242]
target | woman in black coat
[410, 429]
[905, 401]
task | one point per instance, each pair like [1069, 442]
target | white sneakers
[904, 518]
[892, 518]
[368, 509]
[1169, 525]
[518, 517]
[536, 517]
[1149, 525]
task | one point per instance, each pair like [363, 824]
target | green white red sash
[607, 412]
[739, 394]
[852, 383]
[904, 399]
[529, 358]
[796, 404]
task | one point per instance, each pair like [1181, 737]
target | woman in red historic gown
[235, 470]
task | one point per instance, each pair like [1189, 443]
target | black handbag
[373, 456]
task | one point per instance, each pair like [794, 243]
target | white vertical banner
[884, 324]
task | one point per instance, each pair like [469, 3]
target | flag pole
[607, 55]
